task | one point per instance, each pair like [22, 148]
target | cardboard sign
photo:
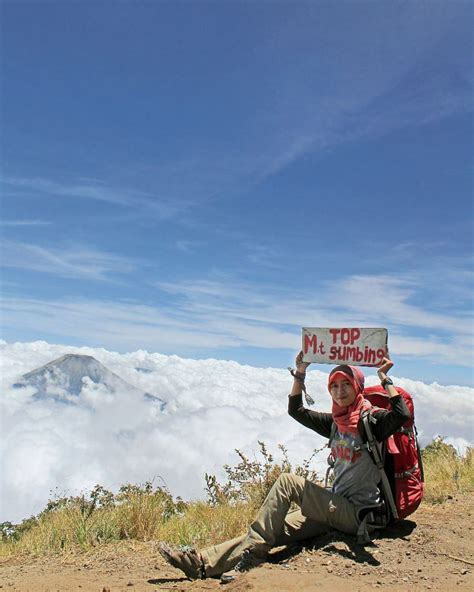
[355, 346]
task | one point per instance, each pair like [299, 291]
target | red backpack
[398, 457]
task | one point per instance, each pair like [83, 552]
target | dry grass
[148, 512]
[205, 525]
[67, 530]
[446, 472]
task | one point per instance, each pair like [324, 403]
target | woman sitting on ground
[355, 487]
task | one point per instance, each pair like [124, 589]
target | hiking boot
[247, 561]
[187, 559]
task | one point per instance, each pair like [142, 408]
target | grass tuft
[446, 471]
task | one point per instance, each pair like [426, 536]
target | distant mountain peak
[65, 376]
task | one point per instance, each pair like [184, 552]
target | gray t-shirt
[356, 476]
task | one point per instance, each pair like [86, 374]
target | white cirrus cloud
[96, 190]
[76, 261]
[219, 312]
[15, 223]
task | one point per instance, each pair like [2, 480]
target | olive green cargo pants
[274, 525]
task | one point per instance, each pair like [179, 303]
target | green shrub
[249, 481]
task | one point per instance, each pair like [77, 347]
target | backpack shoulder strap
[375, 450]
[332, 434]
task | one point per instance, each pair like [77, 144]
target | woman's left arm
[389, 422]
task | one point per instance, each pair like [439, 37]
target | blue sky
[204, 178]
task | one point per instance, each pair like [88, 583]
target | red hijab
[347, 418]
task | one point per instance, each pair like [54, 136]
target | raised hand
[385, 365]
[300, 365]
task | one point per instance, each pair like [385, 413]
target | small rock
[130, 584]
[464, 572]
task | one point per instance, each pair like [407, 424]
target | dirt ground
[431, 551]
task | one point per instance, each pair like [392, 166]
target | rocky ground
[431, 551]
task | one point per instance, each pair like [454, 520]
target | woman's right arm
[314, 420]
[319, 422]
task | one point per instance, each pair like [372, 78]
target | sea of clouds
[212, 407]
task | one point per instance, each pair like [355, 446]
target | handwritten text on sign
[357, 346]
